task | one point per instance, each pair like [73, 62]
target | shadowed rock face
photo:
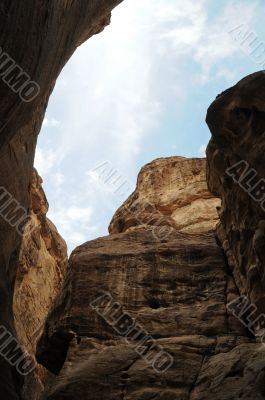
[42, 265]
[40, 36]
[173, 291]
[236, 173]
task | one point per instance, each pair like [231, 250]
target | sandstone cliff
[174, 288]
[172, 190]
[42, 266]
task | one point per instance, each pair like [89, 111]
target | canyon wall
[37, 38]
[142, 312]
[236, 174]
[142, 316]
[41, 268]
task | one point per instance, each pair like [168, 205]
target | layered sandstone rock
[177, 290]
[170, 190]
[170, 293]
[236, 173]
[37, 38]
[42, 265]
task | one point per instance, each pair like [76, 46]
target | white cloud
[58, 179]
[52, 122]
[202, 150]
[78, 213]
[45, 160]
[216, 44]
[206, 41]
[74, 223]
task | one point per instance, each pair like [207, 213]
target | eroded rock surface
[172, 189]
[236, 173]
[42, 266]
[175, 288]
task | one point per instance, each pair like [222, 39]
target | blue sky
[138, 91]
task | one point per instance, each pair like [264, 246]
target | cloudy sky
[136, 92]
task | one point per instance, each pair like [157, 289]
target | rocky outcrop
[42, 266]
[146, 317]
[37, 38]
[170, 190]
[236, 174]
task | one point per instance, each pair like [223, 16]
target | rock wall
[37, 38]
[129, 296]
[236, 174]
[42, 266]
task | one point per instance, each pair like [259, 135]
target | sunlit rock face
[170, 191]
[42, 266]
[236, 173]
[134, 290]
